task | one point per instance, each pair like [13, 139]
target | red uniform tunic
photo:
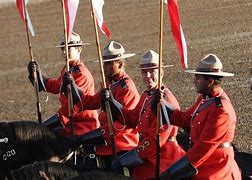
[147, 123]
[125, 92]
[210, 127]
[83, 121]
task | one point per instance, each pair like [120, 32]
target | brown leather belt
[172, 139]
[222, 145]
[225, 145]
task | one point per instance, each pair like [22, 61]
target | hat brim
[155, 67]
[210, 73]
[72, 45]
[124, 56]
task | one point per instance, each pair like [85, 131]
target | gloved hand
[76, 91]
[32, 66]
[156, 96]
[115, 107]
[67, 79]
[105, 96]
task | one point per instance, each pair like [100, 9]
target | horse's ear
[43, 175]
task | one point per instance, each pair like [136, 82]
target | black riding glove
[76, 91]
[115, 107]
[67, 79]
[105, 96]
[32, 66]
[156, 96]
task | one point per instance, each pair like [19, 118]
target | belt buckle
[224, 145]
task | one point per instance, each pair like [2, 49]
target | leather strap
[222, 145]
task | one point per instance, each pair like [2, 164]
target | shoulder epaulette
[75, 69]
[218, 102]
[123, 83]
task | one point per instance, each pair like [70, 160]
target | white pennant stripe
[72, 7]
[98, 4]
[29, 24]
[184, 46]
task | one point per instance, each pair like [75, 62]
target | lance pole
[159, 87]
[69, 89]
[35, 79]
[107, 106]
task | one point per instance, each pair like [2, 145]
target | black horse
[60, 171]
[244, 161]
[24, 142]
[43, 170]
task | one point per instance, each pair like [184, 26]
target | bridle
[8, 153]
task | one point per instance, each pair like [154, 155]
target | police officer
[212, 122]
[145, 121]
[124, 91]
[83, 121]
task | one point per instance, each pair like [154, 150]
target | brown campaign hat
[150, 60]
[74, 41]
[114, 51]
[210, 65]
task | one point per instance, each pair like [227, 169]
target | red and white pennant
[22, 10]
[98, 5]
[177, 31]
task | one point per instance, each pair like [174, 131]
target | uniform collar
[216, 93]
[150, 91]
[117, 77]
[74, 62]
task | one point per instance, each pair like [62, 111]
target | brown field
[222, 27]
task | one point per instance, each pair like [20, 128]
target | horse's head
[24, 142]
[7, 149]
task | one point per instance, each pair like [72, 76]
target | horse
[244, 161]
[99, 175]
[60, 171]
[24, 142]
[43, 170]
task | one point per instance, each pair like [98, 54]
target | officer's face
[112, 68]
[73, 53]
[150, 77]
[202, 85]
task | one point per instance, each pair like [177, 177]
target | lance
[159, 87]
[35, 79]
[107, 106]
[69, 89]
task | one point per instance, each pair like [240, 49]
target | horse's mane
[34, 138]
[60, 171]
[38, 170]
[30, 131]
[99, 175]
